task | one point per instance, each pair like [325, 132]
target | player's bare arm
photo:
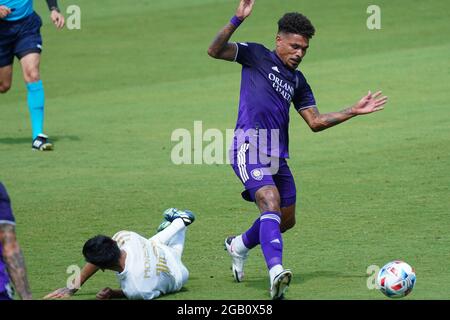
[55, 14]
[4, 11]
[368, 104]
[220, 48]
[14, 260]
[88, 271]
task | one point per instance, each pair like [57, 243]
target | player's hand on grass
[105, 294]
[4, 11]
[370, 103]
[57, 19]
[61, 293]
[244, 9]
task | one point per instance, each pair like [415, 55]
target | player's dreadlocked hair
[294, 22]
[101, 251]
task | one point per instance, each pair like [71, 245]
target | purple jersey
[6, 217]
[267, 89]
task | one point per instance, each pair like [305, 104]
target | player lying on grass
[145, 268]
[269, 84]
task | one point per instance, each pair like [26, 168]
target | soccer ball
[396, 279]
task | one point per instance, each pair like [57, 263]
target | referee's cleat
[174, 213]
[42, 143]
[237, 260]
[280, 284]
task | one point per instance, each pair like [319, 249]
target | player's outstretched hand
[4, 11]
[244, 9]
[61, 293]
[57, 19]
[105, 294]
[370, 103]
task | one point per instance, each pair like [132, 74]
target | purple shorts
[256, 171]
[6, 295]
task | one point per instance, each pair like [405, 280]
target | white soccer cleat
[238, 260]
[280, 284]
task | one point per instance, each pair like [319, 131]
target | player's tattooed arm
[220, 48]
[14, 260]
[368, 104]
[318, 122]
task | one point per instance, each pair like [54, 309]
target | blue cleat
[174, 213]
[163, 225]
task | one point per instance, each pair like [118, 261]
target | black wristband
[52, 5]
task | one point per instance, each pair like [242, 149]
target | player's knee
[4, 87]
[32, 76]
[268, 200]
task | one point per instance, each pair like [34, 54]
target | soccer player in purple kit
[12, 263]
[20, 36]
[269, 84]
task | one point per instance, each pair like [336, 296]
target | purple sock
[270, 238]
[251, 236]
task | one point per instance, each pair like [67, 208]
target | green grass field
[371, 190]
